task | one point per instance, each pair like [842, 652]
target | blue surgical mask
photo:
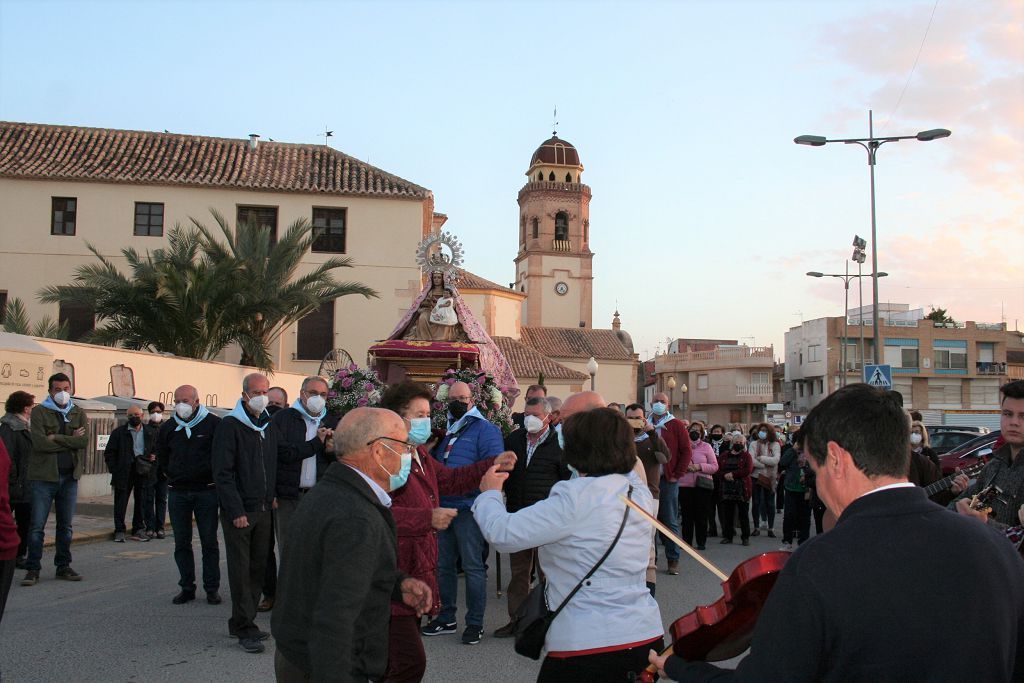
[762, 434]
[575, 472]
[398, 480]
[659, 408]
[561, 439]
[419, 430]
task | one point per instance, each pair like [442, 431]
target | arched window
[568, 177]
[561, 226]
[536, 228]
[540, 176]
[551, 176]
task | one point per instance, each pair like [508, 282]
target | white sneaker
[786, 547]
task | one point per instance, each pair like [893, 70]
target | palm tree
[16, 320]
[274, 295]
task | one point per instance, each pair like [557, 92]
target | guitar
[944, 483]
[982, 501]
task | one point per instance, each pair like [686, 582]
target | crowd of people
[373, 518]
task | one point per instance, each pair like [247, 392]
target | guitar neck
[944, 483]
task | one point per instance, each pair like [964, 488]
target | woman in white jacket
[607, 628]
[766, 451]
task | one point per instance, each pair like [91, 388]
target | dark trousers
[521, 566]
[605, 667]
[407, 661]
[6, 577]
[159, 499]
[727, 510]
[269, 585]
[797, 518]
[286, 672]
[247, 561]
[23, 519]
[693, 513]
[712, 513]
[203, 505]
[63, 495]
[140, 489]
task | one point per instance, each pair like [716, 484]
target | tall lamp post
[671, 384]
[682, 403]
[846, 277]
[871, 145]
[592, 368]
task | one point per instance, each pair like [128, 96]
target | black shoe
[31, 578]
[506, 631]
[725, 541]
[252, 635]
[700, 547]
[213, 597]
[472, 635]
[68, 574]
[183, 597]
[771, 533]
[252, 645]
[755, 532]
[438, 627]
[746, 541]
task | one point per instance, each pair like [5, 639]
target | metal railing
[990, 368]
[753, 390]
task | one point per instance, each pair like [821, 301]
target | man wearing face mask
[59, 440]
[158, 498]
[532, 391]
[131, 471]
[469, 439]
[303, 435]
[277, 400]
[538, 467]
[184, 450]
[246, 448]
[340, 571]
[674, 433]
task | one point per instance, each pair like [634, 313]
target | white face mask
[915, 438]
[156, 417]
[183, 410]
[315, 405]
[258, 403]
[61, 398]
[533, 424]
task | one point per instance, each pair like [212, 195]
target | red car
[975, 450]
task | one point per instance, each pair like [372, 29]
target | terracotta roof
[576, 342]
[557, 152]
[44, 152]
[472, 281]
[527, 363]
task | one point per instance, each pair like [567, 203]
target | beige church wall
[382, 238]
[477, 302]
[615, 381]
[507, 312]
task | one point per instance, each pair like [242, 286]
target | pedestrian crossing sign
[878, 376]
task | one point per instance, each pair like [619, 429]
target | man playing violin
[861, 602]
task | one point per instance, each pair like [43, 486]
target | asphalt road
[118, 624]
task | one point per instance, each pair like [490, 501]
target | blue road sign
[878, 376]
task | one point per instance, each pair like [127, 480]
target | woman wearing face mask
[719, 441]
[734, 468]
[418, 519]
[766, 452]
[924, 464]
[696, 487]
[605, 630]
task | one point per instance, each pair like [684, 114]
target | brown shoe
[673, 567]
[506, 631]
[266, 605]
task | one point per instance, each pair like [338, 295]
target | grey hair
[540, 401]
[554, 403]
[248, 378]
[313, 378]
[355, 430]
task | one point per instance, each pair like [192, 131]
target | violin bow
[678, 541]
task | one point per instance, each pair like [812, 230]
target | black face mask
[134, 421]
[457, 409]
[737, 448]
[694, 436]
[716, 437]
[271, 409]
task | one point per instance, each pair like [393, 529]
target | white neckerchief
[312, 423]
[241, 414]
[201, 413]
[664, 420]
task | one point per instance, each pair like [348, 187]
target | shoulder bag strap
[604, 557]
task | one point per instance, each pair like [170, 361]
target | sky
[705, 216]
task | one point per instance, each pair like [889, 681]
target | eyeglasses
[409, 447]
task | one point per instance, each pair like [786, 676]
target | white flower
[442, 392]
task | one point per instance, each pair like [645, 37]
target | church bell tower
[554, 266]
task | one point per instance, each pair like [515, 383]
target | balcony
[988, 368]
[761, 392]
[719, 359]
[561, 245]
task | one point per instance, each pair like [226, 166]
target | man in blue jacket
[469, 439]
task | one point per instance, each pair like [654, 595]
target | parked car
[971, 452]
[944, 442]
[936, 429]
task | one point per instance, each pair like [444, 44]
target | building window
[702, 381]
[551, 176]
[260, 217]
[800, 389]
[568, 177]
[315, 337]
[950, 359]
[821, 387]
[536, 228]
[540, 176]
[3, 306]
[813, 353]
[986, 352]
[80, 318]
[561, 226]
[329, 229]
[63, 215]
[149, 219]
[759, 378]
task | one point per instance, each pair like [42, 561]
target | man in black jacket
[245, 453]
[127, 456]
[538, 467]
[302, 435]
[339, 571]
[185, 452]
[860, 603]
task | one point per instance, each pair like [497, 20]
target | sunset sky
[705, 215]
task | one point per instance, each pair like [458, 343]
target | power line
[914, 67]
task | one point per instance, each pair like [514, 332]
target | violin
[723, 629]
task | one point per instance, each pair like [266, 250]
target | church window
[568, 177]
[540, 175]
[536, 228]
[551, 176]
[561, 226]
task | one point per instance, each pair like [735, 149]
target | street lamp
[871, 145]
[671, 384]
[846, 277]
[592, 368]
[682, 403]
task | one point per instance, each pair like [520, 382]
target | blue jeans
[763, 506]
[462, 538]
[63, 493]
[203, 504]
[668, 514]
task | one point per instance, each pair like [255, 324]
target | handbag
[764, 481]
[534, 617]
[705, 483]
[733, 490]
[143, 466]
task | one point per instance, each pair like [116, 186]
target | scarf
[312, 423]
[659, 425]
[242, 415]
[460, 423]
[640, 438]
[49, 403]
[200, 415]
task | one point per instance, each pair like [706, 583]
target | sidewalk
[94, 521]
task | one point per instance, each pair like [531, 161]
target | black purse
[533, 618]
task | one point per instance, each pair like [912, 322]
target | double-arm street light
[871, 145]
[846, 277]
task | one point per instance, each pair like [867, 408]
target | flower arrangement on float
[354, 387]
[491, 400]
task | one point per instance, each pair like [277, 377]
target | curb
[82, 538]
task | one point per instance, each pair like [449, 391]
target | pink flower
[353, 367]
[332, 394]
[438, 405]
[481, 380]
[347, 383]
[367, 386]
[342, 373]
[450, 381]
[362, 403]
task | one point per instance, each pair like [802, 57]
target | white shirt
[898, 485]
[382, 495]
